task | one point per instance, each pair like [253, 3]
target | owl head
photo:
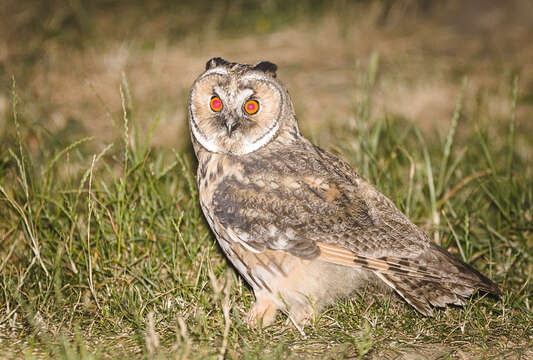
[238, 108]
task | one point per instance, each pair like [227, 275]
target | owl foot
[263, 313]
[302, 316]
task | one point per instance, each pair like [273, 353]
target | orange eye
[216, 103]
[251, 107]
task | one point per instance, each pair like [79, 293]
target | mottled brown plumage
[299, 224]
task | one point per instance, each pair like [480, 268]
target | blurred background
[69, 57]
[432, 101]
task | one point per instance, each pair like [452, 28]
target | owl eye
[216, 104]
[251, 106]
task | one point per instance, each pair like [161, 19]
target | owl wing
[312, 204]
[291, 200]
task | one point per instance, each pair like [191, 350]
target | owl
[298, 223]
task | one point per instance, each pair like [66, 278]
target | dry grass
[422, 63]
[131, 267]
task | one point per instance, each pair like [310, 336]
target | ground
[104, 252]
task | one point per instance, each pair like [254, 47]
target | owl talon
[302, 316]
[263, 313]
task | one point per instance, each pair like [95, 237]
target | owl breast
[214, 169]
[273, 272]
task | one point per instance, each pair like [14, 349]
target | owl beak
[231, 125]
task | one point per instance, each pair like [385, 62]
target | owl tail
[435, 278]
[455, 283]
[421, 294]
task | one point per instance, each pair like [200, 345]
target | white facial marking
[210, 145]
[219, 71]
[243, 96]
[235, 100]
[220, 92]
[256, 144]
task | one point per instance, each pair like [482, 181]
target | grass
[105, 253]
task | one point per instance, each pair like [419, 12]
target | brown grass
[69, 64]
[422, 61]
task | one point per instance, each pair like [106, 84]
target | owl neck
[285, 137]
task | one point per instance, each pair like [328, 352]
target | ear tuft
[214, 62]
[266, 67]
